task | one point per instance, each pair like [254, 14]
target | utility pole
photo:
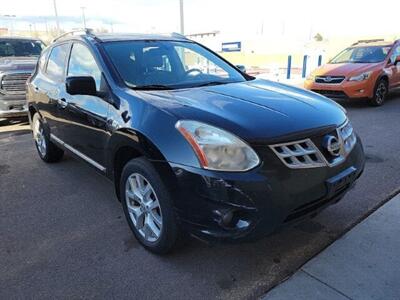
[56, 14]
[182, 17]
[30, 29]
[83, 16]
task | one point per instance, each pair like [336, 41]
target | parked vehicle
[216, 153]
[368, 69]
[18, 58]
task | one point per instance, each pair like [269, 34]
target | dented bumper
[238, 206]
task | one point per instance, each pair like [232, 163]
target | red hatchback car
[368, 69]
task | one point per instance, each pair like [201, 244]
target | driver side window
[82, 63]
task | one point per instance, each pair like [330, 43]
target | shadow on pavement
[363, 103]
[14, 126]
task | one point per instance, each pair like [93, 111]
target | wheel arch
[32, 109]
[126, 144]
[383, 76]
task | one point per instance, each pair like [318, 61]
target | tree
[318, 37]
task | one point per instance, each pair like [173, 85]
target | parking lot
[63, 233]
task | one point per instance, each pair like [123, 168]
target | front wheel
[47, 150]
[380, 93]
[148, 206]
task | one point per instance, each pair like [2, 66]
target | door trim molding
[78, 153]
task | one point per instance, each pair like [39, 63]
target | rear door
[48, 86]
[84, 129]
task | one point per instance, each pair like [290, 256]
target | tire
[148, 206]
[46, 149]
[380, 93]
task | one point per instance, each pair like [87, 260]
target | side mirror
[242, 68]
[397, 60]
[81, 85]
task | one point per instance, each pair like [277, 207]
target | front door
[84, 131]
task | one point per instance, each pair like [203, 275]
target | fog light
[224, 217]
[227, 217]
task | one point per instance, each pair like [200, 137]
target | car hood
[347, 69]
[256, 110]
[17, 63]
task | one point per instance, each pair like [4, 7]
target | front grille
[329, 79]
[331, 94]
[299, 154]
[14, 83]
[311, 153]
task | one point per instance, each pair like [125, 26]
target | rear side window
[56, 63]
[42, 60]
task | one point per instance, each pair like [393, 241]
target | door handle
[62, 102]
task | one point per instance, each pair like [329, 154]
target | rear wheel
[47, 150]
[380, 93]
[148, 206]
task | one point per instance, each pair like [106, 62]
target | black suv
[192, 143]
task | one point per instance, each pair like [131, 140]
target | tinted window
[56, 64]
[15, 47]
[169, 64]
[368, 54]
[82, 63]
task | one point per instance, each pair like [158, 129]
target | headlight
[361, 77]
[311, 77]
[217, 149]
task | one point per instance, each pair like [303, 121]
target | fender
[127, 137]
[140, 145]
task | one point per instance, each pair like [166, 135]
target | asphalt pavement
[63, 233]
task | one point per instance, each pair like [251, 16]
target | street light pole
[56, 14]
[83, 16]
[182, 17]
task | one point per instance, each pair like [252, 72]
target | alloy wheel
[380, 93]
[143, 207]
[39, 137]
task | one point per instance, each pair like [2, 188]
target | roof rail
[87, 31]
[178, 35]
[368, 41]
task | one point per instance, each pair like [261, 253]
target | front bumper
[346, 89]
[261, 200]
[13, 106]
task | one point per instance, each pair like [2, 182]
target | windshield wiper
[212, 83]
[150, 87]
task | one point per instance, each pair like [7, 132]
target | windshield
[11, 47]
[368, 54]
[169, 65]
